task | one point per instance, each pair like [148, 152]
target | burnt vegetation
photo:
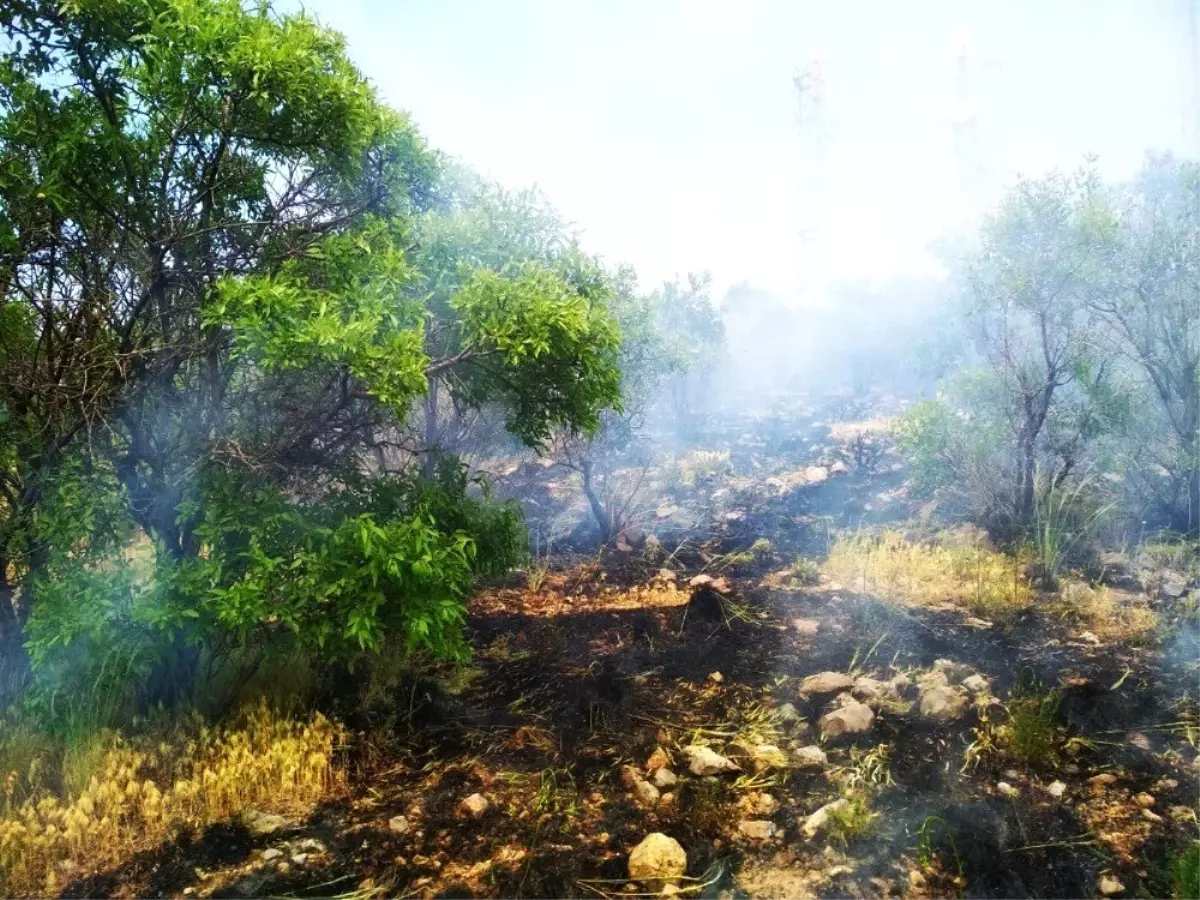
[361, 535]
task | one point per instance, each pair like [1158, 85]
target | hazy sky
[666, 130]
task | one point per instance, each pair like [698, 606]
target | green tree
[1151, 307]
[215, 310]
[1039, 264]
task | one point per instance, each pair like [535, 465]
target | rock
[700, 581]
[1140, 741]
[299, 859]
[1007, 790]
[1151, 816]
[1089, 638]
[756, 829]
[1109, 886]
[312, 845]
[943, 704]
[398, 824]
[706, 761]
[664, 574]
[1102, 780]
[853, 718]
[1056, 789]
[806, 626]
[976, 684]
[839, 468]
[716, 677]
[646, 793]
[810, 758]
[956, 672]
[657, 858]
[975, 622]
[1173, 586]
[474, 806]
[900, 683]
[817, 822]
[261, 824]
[1144, 800]
[271, 854]
[666, 510]
[665, 778]
[825, 683]
[933, 678]
[630, 778]
[872, 689]
[721, 586]
[762, 804]
[787, 714]
[658, 760]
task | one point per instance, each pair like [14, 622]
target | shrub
[1032, 733]
[1186, 871]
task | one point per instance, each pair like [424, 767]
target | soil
[580, 677]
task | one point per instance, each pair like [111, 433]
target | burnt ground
[608, 662]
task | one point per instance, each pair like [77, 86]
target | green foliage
[1185, 869]
[1033, 733]
[269, 270]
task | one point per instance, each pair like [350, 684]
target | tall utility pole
[964, 120]
[811, 117]
[1191, 125]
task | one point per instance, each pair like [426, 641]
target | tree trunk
[603, 516]
[14, 661]
[429, 452]
[1025, 481]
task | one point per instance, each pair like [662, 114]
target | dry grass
[844, 432]
[701, 464]
[1109, 614]
[142, 792]
[976, 578]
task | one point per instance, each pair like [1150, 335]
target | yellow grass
[844, 432]
[1109, 614]
[975, 578]
[142, 793]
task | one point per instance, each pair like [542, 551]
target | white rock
[852, 718]
[787, 714]
[1056, 789]
[756, 829]
[943, 704]
[665, 778]
[657, 857]
[475, 805]
[1109, 886]
[706, 761]
[272, 853]
[810, 758]
[825, 683]
[646, 793]
[976, 684]
[716, 677]
[816, 823]
[1007, 790]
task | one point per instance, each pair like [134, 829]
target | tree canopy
[227, 272]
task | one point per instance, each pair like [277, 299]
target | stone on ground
[825, 683]
[976, 684]
[704, 761]
[398, 824]
[756, 829]
[810, 758]
[807, 626]
[1056, 789]
[1109, 886]
[475, 805]
[787, 714]
[646, 793]
[817, 822]
[657, 857]
[852, 718]
[664, 778]
[943, 704]
[261, 824]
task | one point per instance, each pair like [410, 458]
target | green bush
[1186, 871]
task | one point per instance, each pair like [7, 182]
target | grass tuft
[120, 796]
[977, 578]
